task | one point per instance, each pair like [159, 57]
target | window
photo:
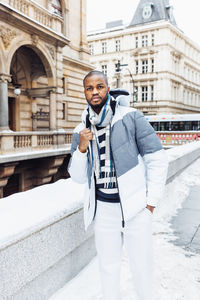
[175, 93]
[63, 110]
[104, 47]
[56, 7]
[91, 47]
[117, 45]
[64, 84]
[144, 93]
[136, 42]
[144, 66]
[136, 93]
[104, 69]
[136, 67]
[152, 65]
[144, 40]
[152, 39]
[184, 93]
[152, 92]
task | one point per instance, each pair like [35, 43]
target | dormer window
[56, 7]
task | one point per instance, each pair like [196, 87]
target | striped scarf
[101, 152]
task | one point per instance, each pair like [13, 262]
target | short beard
[100, 105]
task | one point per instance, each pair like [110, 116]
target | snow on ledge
[23, 213]
[179, 151]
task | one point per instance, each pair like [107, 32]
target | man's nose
[95, 91]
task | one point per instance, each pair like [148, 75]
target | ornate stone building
[163, 64]
[43, 58]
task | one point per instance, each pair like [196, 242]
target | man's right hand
[85, 136]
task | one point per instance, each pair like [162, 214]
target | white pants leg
[138, 243]
[108, 239]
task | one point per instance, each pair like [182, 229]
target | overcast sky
[186, 12]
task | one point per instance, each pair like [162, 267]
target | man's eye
[89, 89]
[100, 86]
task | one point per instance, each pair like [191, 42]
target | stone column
[84, 51]
[52, 111]
[4, 79]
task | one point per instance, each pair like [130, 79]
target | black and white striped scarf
[101, 152]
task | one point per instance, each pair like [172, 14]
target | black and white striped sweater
[106, 182]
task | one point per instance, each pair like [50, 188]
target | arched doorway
[29, 110]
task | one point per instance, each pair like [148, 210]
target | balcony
[30, 13]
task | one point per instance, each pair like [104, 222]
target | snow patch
[23, 213]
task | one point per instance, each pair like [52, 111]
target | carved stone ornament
[35, 39]
[5, 78]
[51, 50]
[7, 35]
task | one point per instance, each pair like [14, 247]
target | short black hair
[95, 72]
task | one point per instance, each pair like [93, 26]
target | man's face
[96, 91]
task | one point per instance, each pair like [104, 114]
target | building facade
[160, 65]
[43, 58]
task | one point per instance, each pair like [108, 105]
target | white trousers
[137, 239]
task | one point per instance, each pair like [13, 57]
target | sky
[187, 14]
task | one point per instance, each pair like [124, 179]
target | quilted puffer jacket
[139, 159]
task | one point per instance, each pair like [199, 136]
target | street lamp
[17, 90]
[118, 69]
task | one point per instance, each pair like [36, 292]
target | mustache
[96, 96]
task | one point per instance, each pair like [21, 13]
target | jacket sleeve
[78, 163]
[154, 157]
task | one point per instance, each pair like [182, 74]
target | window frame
[144, 89]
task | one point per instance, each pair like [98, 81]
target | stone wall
[38, 256]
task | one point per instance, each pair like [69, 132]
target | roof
[153, 10]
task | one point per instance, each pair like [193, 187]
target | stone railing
[12, 142]
[22, 141]
[38, 13]
[175, 138]
[44, 140]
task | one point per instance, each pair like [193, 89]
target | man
[118, 154]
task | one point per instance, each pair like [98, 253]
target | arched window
[56, 7]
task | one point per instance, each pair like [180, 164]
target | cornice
[83, 64]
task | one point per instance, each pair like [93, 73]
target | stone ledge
[177, 163]
[40, 255]
[34, 154]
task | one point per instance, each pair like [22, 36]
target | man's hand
[151, 208]
[85, 136]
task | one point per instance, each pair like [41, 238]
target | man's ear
[108, 90]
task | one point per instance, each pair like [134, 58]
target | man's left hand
[151, 208]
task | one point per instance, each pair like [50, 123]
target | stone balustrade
[37, 12]
[12, 142]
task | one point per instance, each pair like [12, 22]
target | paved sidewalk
[186, 224]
